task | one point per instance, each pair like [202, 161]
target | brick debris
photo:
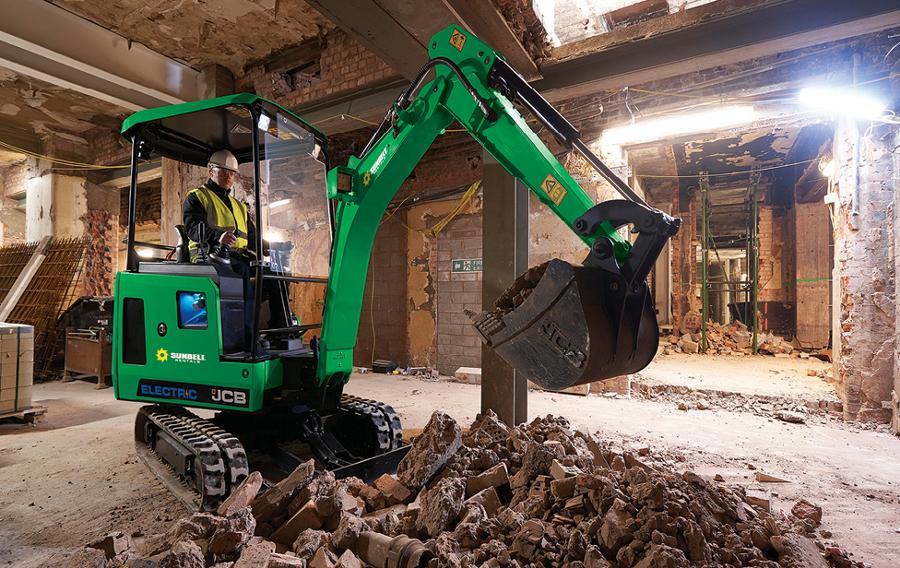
[540, 494]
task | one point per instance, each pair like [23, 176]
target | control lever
[223, 252]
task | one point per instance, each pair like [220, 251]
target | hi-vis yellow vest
[220, 216]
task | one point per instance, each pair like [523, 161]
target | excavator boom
[559, 324]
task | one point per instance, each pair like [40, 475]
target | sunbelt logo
[163, 355]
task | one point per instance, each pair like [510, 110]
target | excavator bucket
[562, 325]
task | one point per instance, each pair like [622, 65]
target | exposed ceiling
[33, 108]
[667, 167]
[231, 33]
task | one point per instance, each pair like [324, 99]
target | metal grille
[12, 261]
[50, 292]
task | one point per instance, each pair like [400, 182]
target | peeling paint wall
[54, 205]
[865, 265]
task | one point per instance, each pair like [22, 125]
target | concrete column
[895, 395]
[865, 268]
[55, 205]
[505, 249]
[215, 81]
[662, 280]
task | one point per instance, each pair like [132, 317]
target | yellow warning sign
[457, 40]
[554, 190]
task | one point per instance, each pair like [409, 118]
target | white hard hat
[224, 159]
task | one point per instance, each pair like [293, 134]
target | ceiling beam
[376, 29]
[43, 41]
[709, 36]
[485, 21]
[352, 111]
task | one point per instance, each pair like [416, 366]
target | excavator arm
[532, 326]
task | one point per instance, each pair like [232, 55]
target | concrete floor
[74, 476]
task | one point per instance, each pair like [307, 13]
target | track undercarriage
[201, 461]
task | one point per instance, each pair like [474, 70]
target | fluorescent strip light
[687, 123]
[279, 203]
[843, 101]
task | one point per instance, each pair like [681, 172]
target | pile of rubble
[733, 339]
[537, 495]
[688, 398]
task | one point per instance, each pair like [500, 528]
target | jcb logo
[226, 396]
[561, 343]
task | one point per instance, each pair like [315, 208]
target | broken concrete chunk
[323, 558]
[488, 499]
[563, 488]
[440, 439]
[758, 499]
[559, 471]
[803, 509]
[275, 500]
[277, 560]
[183, 554]
[394, 492]
[232, 534]
[496, 476]
[347, 533]
[306, 518]
[788, 416]
[536, 462]
[766, 478]
[84, 558]
[618, 526]
[348, 560]
[256, 555]
[113, 544]
[308, 542]
[440, 506]
[796, 551]
[241, 497]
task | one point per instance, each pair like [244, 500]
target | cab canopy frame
[252, 128]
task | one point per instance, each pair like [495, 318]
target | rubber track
[223, 460]
[382, 414]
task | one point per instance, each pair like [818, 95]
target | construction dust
[537, 495]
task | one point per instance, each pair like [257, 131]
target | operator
[222, 220]
[212, 209]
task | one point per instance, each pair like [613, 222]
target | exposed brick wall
[772, 225]
[865, 219]
[684, 261]
[15, 176]
[99, 271]
[458, 344]
[344, 65]
[388, 275]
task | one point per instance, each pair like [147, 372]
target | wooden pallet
[24, 415]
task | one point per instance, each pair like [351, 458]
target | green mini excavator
[192, 331]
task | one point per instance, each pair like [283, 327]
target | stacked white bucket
[16, 366]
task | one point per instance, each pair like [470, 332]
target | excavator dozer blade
[562, 325]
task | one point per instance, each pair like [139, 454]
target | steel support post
[704, 251]
[505, 255]
[753, 247]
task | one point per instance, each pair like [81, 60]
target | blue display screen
[192, 310]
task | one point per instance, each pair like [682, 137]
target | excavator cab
[281, 183]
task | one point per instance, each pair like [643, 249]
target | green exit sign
[465, 265]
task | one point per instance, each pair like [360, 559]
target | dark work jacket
[195, 214]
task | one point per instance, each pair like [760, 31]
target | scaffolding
[749, 287]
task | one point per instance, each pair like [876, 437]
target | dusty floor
[74, 476]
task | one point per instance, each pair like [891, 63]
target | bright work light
[843, 101]
[686, 123]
